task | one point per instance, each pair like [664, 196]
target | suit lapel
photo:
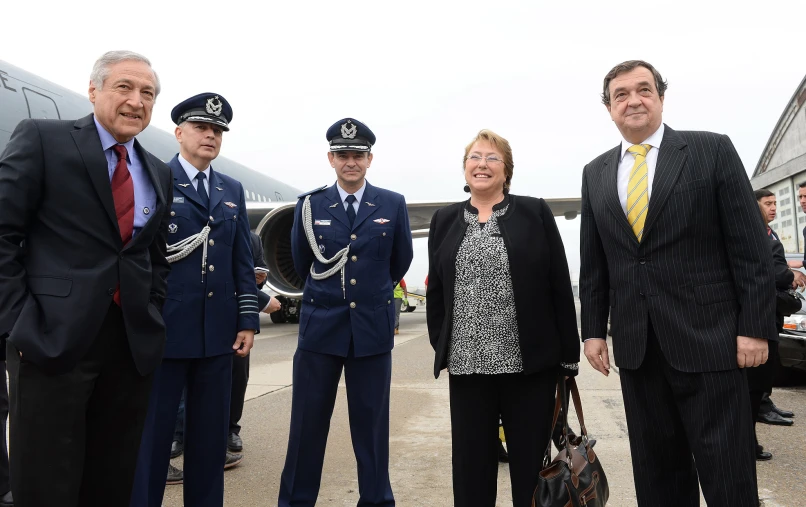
[610, 189]
[369, 204]
[89, 145]
[182, 184]
[671, 158]
[215, 194]
[332, 195]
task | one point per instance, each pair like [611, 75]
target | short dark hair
[802, 184]
[761, 193]
[627, 66]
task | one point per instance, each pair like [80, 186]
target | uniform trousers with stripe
[688, 425]
[316, 380]
[526, 407]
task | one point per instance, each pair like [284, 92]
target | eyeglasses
[492, 159]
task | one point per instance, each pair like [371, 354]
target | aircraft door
[279, 196]
[40, 106]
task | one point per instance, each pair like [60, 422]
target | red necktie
[123, 195]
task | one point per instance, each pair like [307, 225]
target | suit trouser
[676, 418]
[75, 435]
[240, 378]
[316, 379]
[5, 485]
[207, 383]
[526, 405]
[398, 306]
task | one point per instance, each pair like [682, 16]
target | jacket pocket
[49, 286]
[711, 293]
[381, 238]
[690, 185]
[175, 291]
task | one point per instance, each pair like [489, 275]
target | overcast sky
[426, 76]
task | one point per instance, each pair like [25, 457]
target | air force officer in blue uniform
[210, 310]
[351, 243]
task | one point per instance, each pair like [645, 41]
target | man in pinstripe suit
[673, 246]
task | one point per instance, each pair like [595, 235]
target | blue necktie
[350, 199]
[205, 199]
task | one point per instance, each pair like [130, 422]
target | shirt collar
[107, 140]
[358, 193]
[192, 171]
[653, 140]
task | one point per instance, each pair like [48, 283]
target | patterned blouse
[485, 328]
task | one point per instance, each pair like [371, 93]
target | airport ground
[420, 445]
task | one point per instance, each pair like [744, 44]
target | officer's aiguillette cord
[182, 249]
[340, 258]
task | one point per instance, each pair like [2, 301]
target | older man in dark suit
[674, 248]
[81, 302]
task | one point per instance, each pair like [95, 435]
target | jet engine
[275, 233]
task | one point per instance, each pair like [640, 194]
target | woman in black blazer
[502, 320]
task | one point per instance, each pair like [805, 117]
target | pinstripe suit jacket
[702, 272]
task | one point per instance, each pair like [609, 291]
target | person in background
[400, 293]
[767, 412]
[503, 356]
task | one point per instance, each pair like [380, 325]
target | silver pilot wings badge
[214, 106]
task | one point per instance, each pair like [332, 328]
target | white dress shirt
[192, 172]
[628, 159]
[358, 195]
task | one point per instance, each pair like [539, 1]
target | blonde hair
[500, 144]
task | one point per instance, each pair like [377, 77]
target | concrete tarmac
[420, 444]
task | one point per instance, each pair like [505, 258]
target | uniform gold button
[384, 234]
[352, 281]
[388, 301]
[320, 236]
[311, 300]
[209, 294]
[352, 305]
[353, 237]
[212, 268]
[354, 258]
[173, 213]
[212, 219]
[211, 242]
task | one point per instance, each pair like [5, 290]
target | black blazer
[702, 273]
[544, 300]
[55, 196]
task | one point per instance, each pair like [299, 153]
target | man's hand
[800, 279]
[596, 352]
[260, 277]
[795, 264]
[273, 306]
[243, 342]
[751, 352]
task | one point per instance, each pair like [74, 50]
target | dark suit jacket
[257, 255]
[703, 272]
[380, 254]
[544, 300]
[56, 196]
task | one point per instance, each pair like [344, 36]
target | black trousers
[526, 406]
[75, 436]
[676, 419]
[5, 485]
[240, 377]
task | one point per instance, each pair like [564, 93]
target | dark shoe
[175, 476]
[774, 418]
[234, 443]
[780, 411]
[7, 500]
[762, 455]
[177, 448]
[232, 460]
[503, 456]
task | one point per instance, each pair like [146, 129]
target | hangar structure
[782, 166]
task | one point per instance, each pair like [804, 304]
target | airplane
[270, 202]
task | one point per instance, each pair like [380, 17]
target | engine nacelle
[275, 233]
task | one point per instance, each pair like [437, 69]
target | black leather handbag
[788, 302]
[575, 477]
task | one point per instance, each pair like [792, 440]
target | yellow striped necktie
[637, 190]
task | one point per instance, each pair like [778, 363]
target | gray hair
[100, 71]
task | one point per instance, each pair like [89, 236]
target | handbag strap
[578, 406]
[560, 407]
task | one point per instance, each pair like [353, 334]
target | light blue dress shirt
[192, 172]
[145, 198]
[358, 195]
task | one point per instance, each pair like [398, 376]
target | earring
[467, 188]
